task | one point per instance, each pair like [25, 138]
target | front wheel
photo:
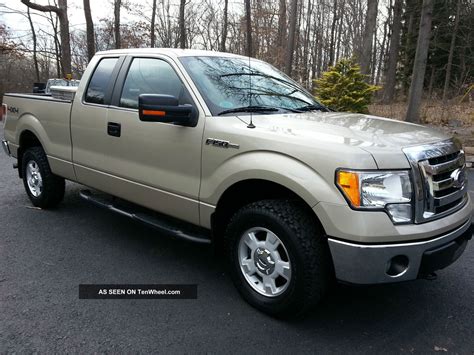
[44, 189]
[278, 256]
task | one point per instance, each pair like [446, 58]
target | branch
[42, 8]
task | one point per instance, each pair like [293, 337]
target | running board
[165, 224]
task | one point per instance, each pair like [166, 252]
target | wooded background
[413, 49]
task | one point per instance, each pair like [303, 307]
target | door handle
[113, 129]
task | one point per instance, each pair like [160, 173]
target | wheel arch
[27, 139]
[247, 191]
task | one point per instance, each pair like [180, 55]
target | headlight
[378, 190]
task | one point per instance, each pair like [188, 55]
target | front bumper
[383, 263]
[6, 148]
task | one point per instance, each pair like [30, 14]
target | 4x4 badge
[221, 144]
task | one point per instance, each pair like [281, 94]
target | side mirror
[166, 108]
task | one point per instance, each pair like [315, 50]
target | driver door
[154, 164]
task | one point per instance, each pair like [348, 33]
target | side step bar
[160, 222]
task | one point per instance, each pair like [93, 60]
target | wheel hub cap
[33, 178]
[264, 262]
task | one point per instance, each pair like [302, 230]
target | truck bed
[43, 115]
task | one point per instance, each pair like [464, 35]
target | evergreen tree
[344, 88]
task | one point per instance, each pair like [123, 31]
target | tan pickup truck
[214, 147]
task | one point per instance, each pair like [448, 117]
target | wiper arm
[312, 107]
[249, 109]
[264, 76]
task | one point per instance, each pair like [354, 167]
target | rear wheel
[44, 189]
[278, 256]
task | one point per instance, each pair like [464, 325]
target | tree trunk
[391, 75]
[89, 30]
[152, 25]
[117, 6]
[33, 34]
[333, 30]
[306, 46]
[249, 27]
[281, 35]
[367, 39]
[224, 26]
[382, 53]
[64, 35]
[61, 12]
[447, 78]
[291, 37]
[339, 32]
[419, 66]
[57, 45]
[182, 28]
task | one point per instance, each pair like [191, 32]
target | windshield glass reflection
[228, 83]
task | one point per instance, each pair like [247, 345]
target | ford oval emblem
[459, 177]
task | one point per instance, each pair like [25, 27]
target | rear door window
[100, 81]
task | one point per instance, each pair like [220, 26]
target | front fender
[270, 166]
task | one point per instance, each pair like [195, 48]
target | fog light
[397, 266]
[400, 212]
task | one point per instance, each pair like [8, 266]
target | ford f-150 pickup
[220, 148]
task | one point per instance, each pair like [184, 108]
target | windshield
[225, 84]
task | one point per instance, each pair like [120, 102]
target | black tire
[53, 186]
[307, 249]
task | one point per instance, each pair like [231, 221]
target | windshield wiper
[295, 86]
[249, 109]
[312, 107]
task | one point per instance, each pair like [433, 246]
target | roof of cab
[171, 52]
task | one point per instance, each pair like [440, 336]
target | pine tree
[343, 88]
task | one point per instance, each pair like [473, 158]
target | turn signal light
[349, 183]
[154, 113]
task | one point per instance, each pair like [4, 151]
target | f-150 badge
[221, 144]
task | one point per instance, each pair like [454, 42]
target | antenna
[250, 125]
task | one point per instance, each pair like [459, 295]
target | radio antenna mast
[250, 125]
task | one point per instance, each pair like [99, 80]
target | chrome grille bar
[444, 167]
[439, 177]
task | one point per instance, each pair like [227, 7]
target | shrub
[344, 88]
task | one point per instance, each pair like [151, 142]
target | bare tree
[367, 39]
[33, 34]
[419, 66]
[224, 25]
[451, 52]
[390, 77]
[117, 6]
[182, 28]
[281, 35]
[248, 18]
[333, 29]
[291, 37]
[89, 30]
[61, 12]
[152, 25]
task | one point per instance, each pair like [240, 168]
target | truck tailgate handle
[113, 129]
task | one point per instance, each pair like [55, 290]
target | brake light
[3, 116]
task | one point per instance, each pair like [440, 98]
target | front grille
[439, 174]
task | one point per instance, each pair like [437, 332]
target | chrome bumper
[384, 263]
[6, 148]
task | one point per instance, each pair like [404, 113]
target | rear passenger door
[89, 117]
[155, 164]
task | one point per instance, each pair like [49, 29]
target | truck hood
[382, 137]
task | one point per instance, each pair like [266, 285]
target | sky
[18, 23]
